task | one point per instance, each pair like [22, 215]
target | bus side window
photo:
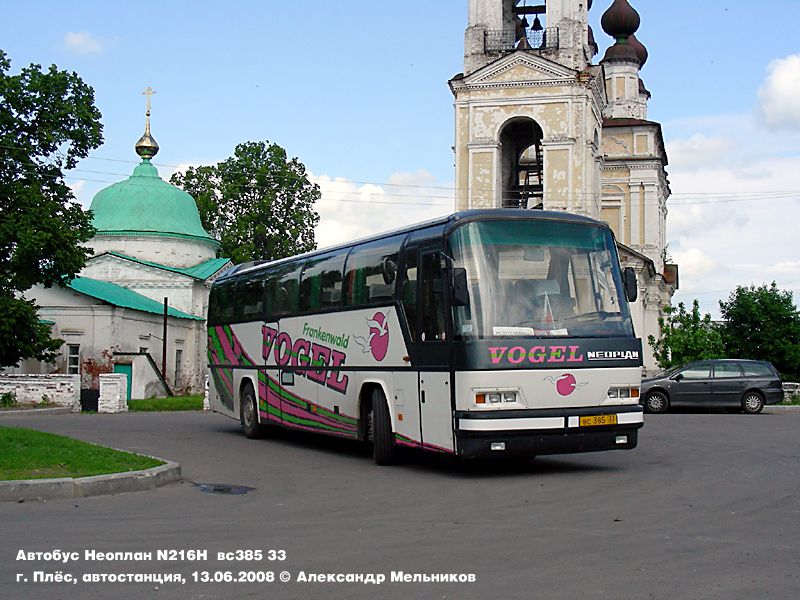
[321, 282]
[282, 291]
[409, 295]
[432, 291]
[221, 308]
[249, 305]
[371, 273]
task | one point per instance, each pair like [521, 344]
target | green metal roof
[117, 295]
[144, 203]
[202, 271]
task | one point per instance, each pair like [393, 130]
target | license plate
[598, 420]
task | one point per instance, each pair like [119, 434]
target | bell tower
[529, 107]
[540, 124]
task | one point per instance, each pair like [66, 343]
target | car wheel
[249, 414]
[752, 403]
[656, 402]
[384, 451]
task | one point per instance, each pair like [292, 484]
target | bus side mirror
[629, 281]
[460, 287]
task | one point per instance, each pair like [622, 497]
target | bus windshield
[539, 278]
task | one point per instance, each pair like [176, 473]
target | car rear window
[726, 370]
[757, 370]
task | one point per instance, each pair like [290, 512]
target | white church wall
[100, 330]
[164, 250]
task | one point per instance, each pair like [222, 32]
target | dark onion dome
[620, 20]
[622, 51]
[641, 51]
[589, 5]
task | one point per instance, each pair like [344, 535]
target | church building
[151, 255]
[541, 125]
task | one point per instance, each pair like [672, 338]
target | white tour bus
[485, 333]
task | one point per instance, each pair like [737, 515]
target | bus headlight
[623, 392]
[484, 398]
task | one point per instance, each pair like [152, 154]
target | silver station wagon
[732, 383]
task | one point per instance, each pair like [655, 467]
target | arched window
[522, 164]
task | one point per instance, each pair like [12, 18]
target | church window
[73, 359]
[178, 365]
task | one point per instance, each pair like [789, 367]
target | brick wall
[57, 390]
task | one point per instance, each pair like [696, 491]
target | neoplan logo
[613, 355]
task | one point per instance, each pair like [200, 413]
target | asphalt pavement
[707, 507]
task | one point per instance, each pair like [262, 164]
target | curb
[782, 408]
[97, 485]
[58, 410]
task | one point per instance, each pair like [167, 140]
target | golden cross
[148, 92]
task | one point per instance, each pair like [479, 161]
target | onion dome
[589, 5]
[147, 147]
[641, 51]
[620, 20]
[622, 51]
[146, 205]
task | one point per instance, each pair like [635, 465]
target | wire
[678, 199]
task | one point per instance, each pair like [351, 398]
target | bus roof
[478, 214]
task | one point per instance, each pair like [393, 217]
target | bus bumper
[521, 433]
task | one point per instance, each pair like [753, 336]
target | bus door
[436, 409]
[424, 307]
[269, 377]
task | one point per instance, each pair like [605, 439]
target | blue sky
[358, 91]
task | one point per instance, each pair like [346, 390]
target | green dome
[145, 204]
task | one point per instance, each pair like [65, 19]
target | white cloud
[350, 210]
[167, 171]
[84, 43]
[778, 96]
[694, 263]
[80, 193]
[698, 150]
[733, 216]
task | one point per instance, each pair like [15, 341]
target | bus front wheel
[384, 452]
[249, 414]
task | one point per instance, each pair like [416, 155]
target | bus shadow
[411, 459]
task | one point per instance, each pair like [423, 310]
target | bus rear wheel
[384, 451]
[249, 414]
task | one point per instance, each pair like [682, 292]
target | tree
[763, 323]
[257, 203]
[685, 337]
[48, 122]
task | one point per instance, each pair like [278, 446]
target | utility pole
[164, 340]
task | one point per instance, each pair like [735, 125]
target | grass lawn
[29, 454]
[163, 404]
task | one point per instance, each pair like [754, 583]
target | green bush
[8, 400]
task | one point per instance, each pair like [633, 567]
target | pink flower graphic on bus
[378, 340]
[566, 384]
